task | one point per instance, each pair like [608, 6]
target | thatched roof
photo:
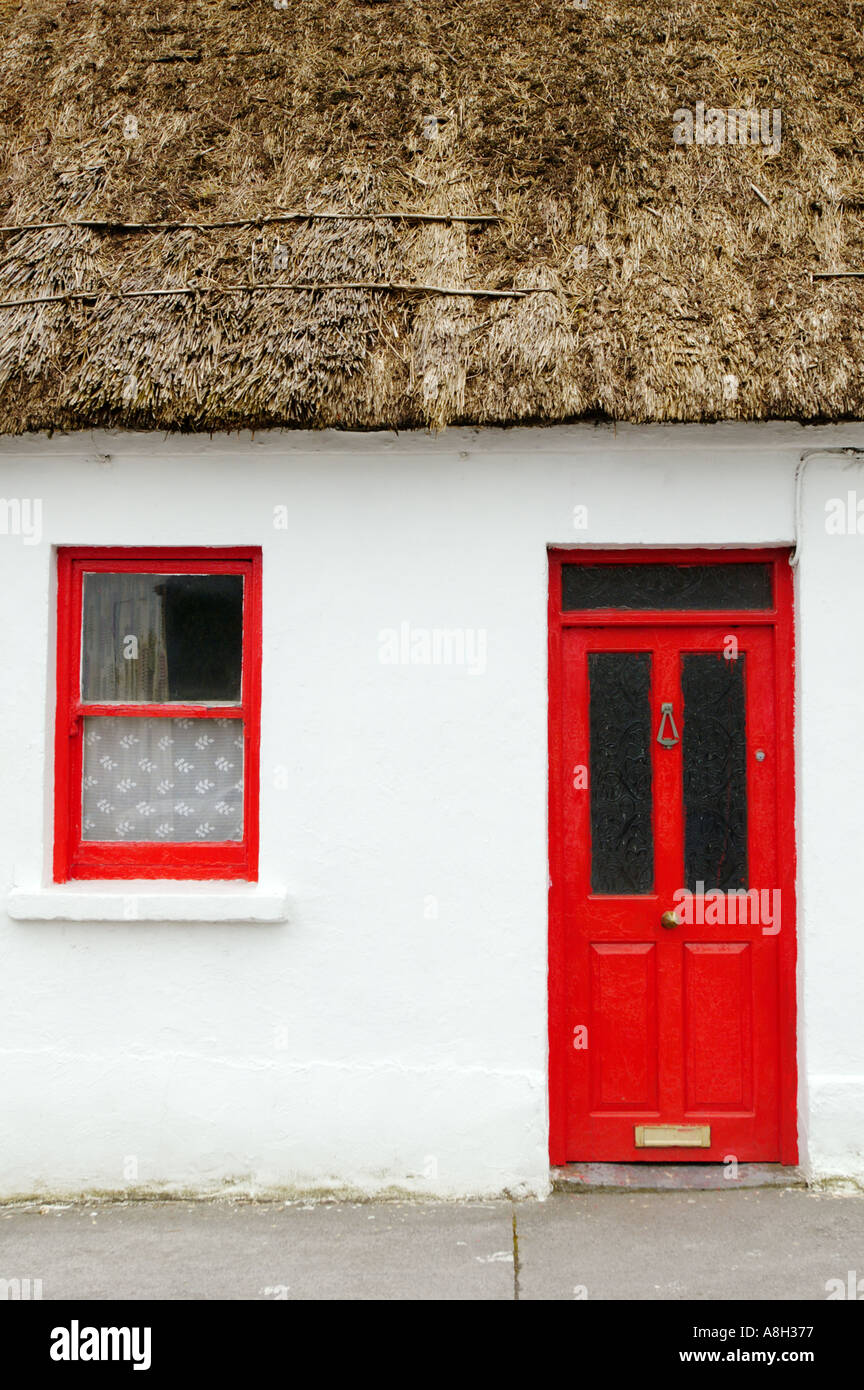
[676, 281]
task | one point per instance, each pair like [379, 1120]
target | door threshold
[671, 1177]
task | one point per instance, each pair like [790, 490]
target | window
[645, 586]
[158, 714]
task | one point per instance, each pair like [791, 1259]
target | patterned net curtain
[163, 779]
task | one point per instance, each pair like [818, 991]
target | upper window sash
[161, 638]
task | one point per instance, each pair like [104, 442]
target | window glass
[622, 842]
[162, 779]
[150, 638]
[714, 750]
[650, 586]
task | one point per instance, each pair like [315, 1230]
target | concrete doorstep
[674, 1177]
[754, 1244]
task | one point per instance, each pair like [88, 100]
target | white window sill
[142, 901]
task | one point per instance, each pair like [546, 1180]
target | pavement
[752, 1244]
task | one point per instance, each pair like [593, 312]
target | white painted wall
[366, 1040]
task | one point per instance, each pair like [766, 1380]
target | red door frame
[780, 619]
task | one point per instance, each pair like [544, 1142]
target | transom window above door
[158, 714]
[648, 586]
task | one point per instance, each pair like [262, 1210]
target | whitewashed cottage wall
[391, 1031]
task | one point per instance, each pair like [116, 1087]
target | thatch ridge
[680, 281]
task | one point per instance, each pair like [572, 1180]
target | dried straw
[154, 144]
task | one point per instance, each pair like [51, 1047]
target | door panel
[718, 1031]
[669, 804]
[623, 1024]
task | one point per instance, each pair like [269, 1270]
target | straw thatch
[694, 297]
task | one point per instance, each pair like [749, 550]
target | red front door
[673, 912]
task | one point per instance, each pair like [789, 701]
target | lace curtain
[163, 779]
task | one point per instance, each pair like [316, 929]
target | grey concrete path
[756, 1244]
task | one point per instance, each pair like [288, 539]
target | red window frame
[75, 858]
